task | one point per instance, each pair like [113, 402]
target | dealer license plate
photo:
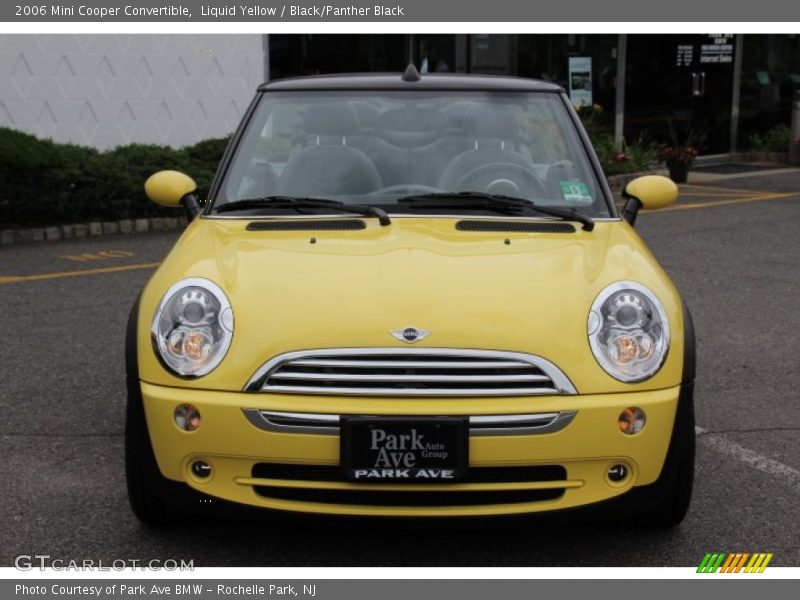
[418, 450]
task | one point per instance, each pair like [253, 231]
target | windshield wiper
[300, 202]
[495, 202]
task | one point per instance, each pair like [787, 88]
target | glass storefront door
[680, 87]
[319, 54]
[770, 79]
[434, 53]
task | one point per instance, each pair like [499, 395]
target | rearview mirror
[649, 191]
[173, 189]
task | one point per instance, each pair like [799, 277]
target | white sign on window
[580, 80]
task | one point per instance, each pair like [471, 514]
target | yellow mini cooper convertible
[410, 295]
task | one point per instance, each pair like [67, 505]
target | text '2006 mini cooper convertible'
[411, 296]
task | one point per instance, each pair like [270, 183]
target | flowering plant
[679, 154]
[585, 108]
[621, 157]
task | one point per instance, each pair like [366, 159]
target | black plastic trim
[689, 347]
[395, 81]
[298, 472]
[416, 499]
[131, 358]
[227, 156]
[307, 225]
[511, 227]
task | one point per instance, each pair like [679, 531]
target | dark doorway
[311, 54]
[679, 88]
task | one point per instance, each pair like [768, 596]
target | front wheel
[677, 478]
[154, 499]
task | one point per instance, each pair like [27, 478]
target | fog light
[187, 417]
[617, 473]
[201, 469]
[631, 420]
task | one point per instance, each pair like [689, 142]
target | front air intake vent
[513, 226]
[309, 225]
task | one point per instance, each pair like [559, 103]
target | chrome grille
[485, 425]
[410, 372]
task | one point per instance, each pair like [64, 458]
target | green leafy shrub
[640, 155]
[772, 140]
[47, 183]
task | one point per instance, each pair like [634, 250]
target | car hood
[512, 291]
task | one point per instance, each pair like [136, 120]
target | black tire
[154, 499]
[677, 477]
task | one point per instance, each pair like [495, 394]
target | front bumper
[586, 448]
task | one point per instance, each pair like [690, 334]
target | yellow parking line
[712, 194]
[723, 189]
[62, 274]
[724, 202]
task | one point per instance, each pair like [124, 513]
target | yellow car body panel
[588, 446]
[519, 292]
[470, 289]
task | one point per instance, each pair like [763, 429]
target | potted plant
[679, 155]
[678, 159]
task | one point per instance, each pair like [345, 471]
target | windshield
[386, 148]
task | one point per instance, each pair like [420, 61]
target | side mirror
[651, 192]
[173, 189]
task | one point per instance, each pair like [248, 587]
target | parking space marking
[718, 188]
[717, 193]
[94, 256]
[729, 202]
[64, 274]
[788, 475]
[684, 194]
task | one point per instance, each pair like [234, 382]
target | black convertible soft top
[396, 81]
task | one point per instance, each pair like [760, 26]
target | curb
[57, 233]
[617, 183]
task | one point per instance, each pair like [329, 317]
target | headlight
[628, 331]
[193, 327]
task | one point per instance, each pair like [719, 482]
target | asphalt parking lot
[731, 244]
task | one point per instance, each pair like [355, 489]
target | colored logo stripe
[711, 562]
[734, 562]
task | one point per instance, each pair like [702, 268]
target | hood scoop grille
[307, 225]
[514, 226]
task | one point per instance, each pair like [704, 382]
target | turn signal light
[631, 420]
[187, 417]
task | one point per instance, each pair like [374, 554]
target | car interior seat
[326, 164]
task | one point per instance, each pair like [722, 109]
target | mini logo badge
[410, 335]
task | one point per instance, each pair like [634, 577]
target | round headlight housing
[628, 331]
[193, 327]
